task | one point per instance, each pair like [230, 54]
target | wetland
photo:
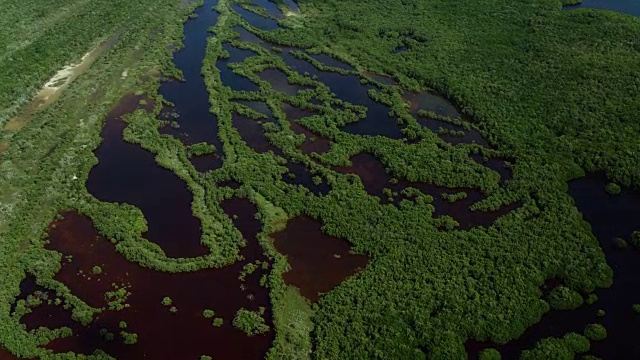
[322, 180]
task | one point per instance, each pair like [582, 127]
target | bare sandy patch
[53, 88]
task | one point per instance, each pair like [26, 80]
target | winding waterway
[128, 174]
[631, 7]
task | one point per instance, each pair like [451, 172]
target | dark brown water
[190, 96]
[313, 142]
[126, 173]
[258, 106]
[631, 7]
[252, 133]
[375, 179]
[204, 163]
[247, 36]
[468, 136]
[431, 102]
[498, 165]
[50, 316]
[383, 79]
[228, 77]
[5, 355]
[279, 82]
[46, 315]
[610, 217]
[348, 88]
[302, 176]
[161, 334]
[329, 61]
[258, 21]
[294, 113]
[319, 262]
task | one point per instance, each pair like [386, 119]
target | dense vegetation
[565, 348]
[251, 322]
[45, 164]
[40, 38]
[554, 92]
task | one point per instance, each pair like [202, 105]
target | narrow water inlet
[452, 133]
[319, 262]
[191, 97]
[630, 7]
[427, 100]
[279, 81]
[300, 174]
[126, 173]
[271, 7]
[252, 134]
[610, 217]
[293, 6]
[375, 179]
[162, 334]
[230, 78]
[329, 61]
[258, 21]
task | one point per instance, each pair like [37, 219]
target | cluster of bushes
[251, 322]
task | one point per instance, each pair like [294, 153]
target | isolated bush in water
[251, 322]
[563, 298]
[613, 188]
[595, 332]
[489, 354]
